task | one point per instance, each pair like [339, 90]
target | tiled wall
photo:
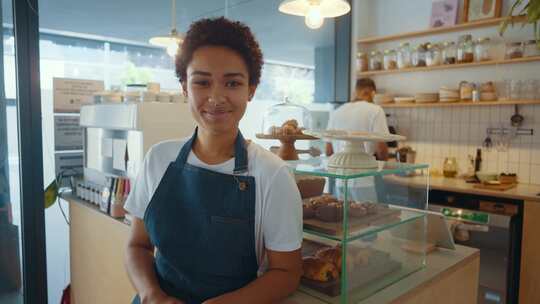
[436, 133]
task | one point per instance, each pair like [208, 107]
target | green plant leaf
[51, 194]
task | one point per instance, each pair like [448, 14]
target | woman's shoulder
[165, 151]
[263, 160]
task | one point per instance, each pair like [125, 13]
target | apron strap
[240, 153]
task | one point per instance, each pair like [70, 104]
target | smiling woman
[253, 212]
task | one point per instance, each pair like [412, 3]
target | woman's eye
[233, 84]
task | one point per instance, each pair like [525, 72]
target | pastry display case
[364, 229]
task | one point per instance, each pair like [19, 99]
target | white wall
[440, 132]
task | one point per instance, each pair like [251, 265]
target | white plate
[354, 135]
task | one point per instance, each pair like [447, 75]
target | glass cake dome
[279, 119]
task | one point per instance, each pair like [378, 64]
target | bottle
[478, 160]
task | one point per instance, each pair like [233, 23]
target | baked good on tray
[330, 212]
[358, 209]
[319, 270]
[308, 211]
[310, 186]
[290, 127]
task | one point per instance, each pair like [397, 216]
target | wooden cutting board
[501, 187]
[383, 215]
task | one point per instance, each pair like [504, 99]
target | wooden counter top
[520, 192]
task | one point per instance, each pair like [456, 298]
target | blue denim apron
[202, 224]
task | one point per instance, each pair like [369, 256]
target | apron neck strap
[240, 152]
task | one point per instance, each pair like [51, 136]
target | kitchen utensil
[516, 119]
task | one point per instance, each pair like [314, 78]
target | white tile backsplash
[437, 133]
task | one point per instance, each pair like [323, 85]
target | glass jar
[390, 60]
[375, 61]
[450, 167]
[404, 56]
[514, 50]
[531, 48]
[482, 49]
[433, 55]
[419, 56]
[466, 91]
[449, 52]
[362, 61]
[465, 49]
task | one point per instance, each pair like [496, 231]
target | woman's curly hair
[221, 32]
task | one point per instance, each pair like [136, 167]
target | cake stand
[353, 156]
[287, 151]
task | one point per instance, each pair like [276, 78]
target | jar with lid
[375, 61]
[404, 56]
[419, 56]
[362, 61]
[465, 49]
[466, 91]
[450, 167]
[514, 50]
[531, 48]
[482, 49]
[390, 60]
[433, 55]
[449, 52]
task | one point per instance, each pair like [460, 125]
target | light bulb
[172, 49]
[314, 18]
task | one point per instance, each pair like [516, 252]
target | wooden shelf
[461, 104]
[438, 30]
[450, 66]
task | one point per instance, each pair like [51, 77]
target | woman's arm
[280, 280]
[139, 263]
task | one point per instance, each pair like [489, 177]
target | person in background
[216, 219]
[360, 115]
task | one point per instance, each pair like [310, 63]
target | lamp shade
[170, 42]
[327, 8]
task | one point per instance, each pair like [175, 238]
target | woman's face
[217, 88]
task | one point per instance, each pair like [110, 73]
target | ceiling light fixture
[315, 10]
[172, 41]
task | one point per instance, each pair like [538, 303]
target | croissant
[319, 270]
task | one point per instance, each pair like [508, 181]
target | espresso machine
[117, 136]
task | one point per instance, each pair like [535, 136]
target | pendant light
[173, 40]
[315, 10]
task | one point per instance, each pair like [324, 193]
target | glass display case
[352, 250]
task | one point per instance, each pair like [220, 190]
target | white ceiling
[282, 37]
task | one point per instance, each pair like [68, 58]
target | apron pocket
[229, 237]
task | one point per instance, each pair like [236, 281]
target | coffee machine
[118, 135]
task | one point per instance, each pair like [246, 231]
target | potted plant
[531, 10]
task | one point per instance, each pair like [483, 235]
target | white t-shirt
[278, 206]
[358, 116]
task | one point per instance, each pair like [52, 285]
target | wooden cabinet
[529, 288]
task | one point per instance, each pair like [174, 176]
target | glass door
[11, 290]
[22, 266]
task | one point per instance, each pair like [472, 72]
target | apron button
[242, 186]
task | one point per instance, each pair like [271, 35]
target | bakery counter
[527, 192]
[97, 244]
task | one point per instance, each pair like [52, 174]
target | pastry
[308, 211]
[357, 210]
[322, 200]
[330, 212]
[319, 270]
